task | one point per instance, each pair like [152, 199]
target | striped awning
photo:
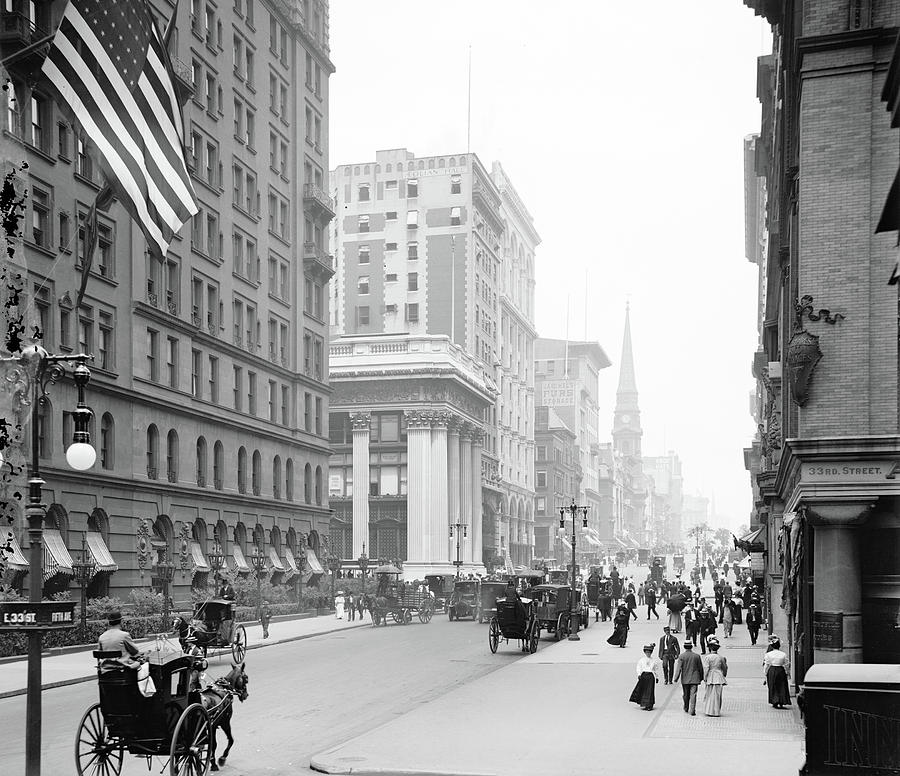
[239, 561]
[198, 559]
[103, 559]
[14, 558]
[566, 542]
[290, 565]
[592, 540]
[56, 556]
[275, 560]
[312, 568]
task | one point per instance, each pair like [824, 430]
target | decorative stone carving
[185, 560]
[143, 545]
[360, 420]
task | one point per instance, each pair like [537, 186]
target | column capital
[441, 419]
[418, 418]
[359, 421]
[455, 424]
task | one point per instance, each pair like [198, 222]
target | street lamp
[165, 573]
[39, 370]
[83, 571]
[573, 509]
[258, 561]
[334, 566]
[363, 561]
[461, 528]
[216, 561]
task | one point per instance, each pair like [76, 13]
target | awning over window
[15, 559]
[755, 537]
[567, 543]
[275, 560]
[313, 568]
[592, 540]
[290, 565]
[56, 556]
[103, 559]
[238, 560]
[198, 559]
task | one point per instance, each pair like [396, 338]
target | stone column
[359, 422]
[465, 489]
[836, 546]
[475, 531]
[439, 487]
[418, 448]
[453, 480]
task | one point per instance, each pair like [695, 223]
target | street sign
[47, 615]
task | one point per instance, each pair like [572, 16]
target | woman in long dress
[675, 604]
[339, 605]
[715, 669]
[620, 627]
[776, 665]
[727, 619]
[644, 692]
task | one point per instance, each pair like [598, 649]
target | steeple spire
[627, 381]
[627, 417]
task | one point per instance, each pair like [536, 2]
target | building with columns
[443, 247]
[406, 434]
[827, 356]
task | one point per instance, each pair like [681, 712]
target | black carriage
[171, 723]
[442, 587]
[554, 609]
[491, 591]
[213, 625]
[398, 600]
[678, 563]
[465, 600]
[559, 576]
[515, 619]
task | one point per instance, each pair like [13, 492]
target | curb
[212, 653]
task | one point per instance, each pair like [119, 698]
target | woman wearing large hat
[715, 669]
[644, 692]
[776, 665]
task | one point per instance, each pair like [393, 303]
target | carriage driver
[114, 639]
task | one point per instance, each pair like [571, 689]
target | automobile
[553, 608]
[465, 600]
[491, 590]
[442, 586]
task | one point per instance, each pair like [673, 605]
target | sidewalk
[80, 666]
[565, 710]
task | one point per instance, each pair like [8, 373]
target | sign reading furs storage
[558, 393]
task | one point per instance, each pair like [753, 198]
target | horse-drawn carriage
[178, 721]
[213, 625]
[441, 585]
[399, 600]
[491, 592]
[515, 619]
[465, 600]
[554, 609]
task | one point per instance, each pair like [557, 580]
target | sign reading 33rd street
[47, 615]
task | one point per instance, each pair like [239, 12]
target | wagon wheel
[426, 613]
[562, 627]
[450, 613]
[535, 637]
[406, 617]
[398, 615]
[96, 752]
[239, 645]
[585, 618]
[190, 750]
[494, 635]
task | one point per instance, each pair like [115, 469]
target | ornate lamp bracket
[803, 352]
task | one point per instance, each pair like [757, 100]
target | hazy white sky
[621, 126]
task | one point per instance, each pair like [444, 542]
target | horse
[220, 692]
[187, 631]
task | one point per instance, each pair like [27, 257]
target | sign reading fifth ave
[47, 615]
[851, 471]
[558, 393]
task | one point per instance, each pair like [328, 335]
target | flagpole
[24, 52]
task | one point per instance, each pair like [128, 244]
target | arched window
[442, 162]
[221, 536]
[313, 541]
[257, 473]
[318, 484]
[201, 461]
[307, 484]
[399, 166]
[152, 451]
[198, 532]
[292, 541]
[389, 167]
[242, 470]
[366, 170]
[240, 536]
[107, 441]
[163, 537]
[98, 522]
[421, 165]
[453, 161]
[218, 465]
[259, 538]
[431, 164]
[276, 477]
[275, 539]
[289, 479]
[356, 170]
[172, 455]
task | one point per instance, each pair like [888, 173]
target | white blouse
[648, 664]
[776, 658]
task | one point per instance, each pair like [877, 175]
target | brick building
[209, 385]
[827, 357]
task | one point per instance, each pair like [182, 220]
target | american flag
[110, 66]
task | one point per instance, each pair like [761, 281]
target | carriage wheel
[239, 646]
[96, 752]
[535, 637]
[426, 613]
[190, 751]
[494, 635]
[407, 617]
[398, 616]
[585, 618]
[450, 615]
[562, 627]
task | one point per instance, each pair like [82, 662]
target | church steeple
[627, 417]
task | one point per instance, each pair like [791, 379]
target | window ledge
[40, 152]
[40, 248]
[87, 181]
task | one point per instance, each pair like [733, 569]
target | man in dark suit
[668, 651]
[689, 669]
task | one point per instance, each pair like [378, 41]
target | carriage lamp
[81, 455]
[334, 566]
[216, 561]
[463, 530]
[83, 572]
[258, 561]
[363, 561]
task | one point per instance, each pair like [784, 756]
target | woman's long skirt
[675, 621]
[619, 635]
[777, 682]
[339, 610]
[712, 700]
[644, 691]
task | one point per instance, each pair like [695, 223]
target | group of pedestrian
[350, 604]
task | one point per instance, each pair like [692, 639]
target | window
[412, 188]
[272, 401]
[390, 185]
[40, 137]
[242, 470]
[412, 251]
[153, 355]
[285, 405]
[273, 93]
[63, 141]
[65, 232]
[362, 316]
[412, 219]
[85, 330]
[540, 479]
[83, 165]
[391, 277]
[42, 308]
[40, 217]
[251, 392]
[64, 331]
[152, 451]
[214, 379]
[196, 373]
[107, 439]
[363, 192]
[362, 285]
[455, 184]
[391, 215]
[201, 461]
[238, 388]
[257, 473]
[412, 281]
[105, 342]
[318, 416]
[541, 507]
[250, 129]
[455, 216]
[363, 254]
[172, 362]
[283, 102]
[541, 453]
[391, 246]
[218, 465]
[412, 312]
[276, 479]
[289, 479]
[363, 223]
[307, 412]
[105, 255]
